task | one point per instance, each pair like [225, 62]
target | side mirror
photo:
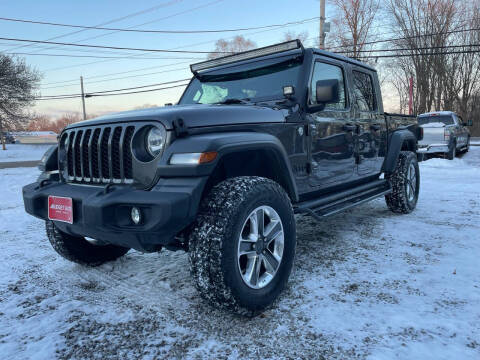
[470, 122]
[327, 91]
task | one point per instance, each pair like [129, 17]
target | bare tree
[236, 45]
[65, 120]
[400, 73]
[290, 35]
[353, 22]
[464, 73]
[18, 84]
[40, 123]
[424, 26]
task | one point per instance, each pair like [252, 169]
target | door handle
[375, 127]
[349, 127]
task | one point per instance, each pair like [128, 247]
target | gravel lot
[367, 284]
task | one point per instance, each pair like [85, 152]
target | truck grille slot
[98, 154]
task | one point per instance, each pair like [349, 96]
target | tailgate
[432, 135]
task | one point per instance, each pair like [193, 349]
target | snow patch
[23, 152]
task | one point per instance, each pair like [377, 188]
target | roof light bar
[267, 50]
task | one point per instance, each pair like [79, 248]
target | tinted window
[436, 119]
[364, 91]
[324, 71]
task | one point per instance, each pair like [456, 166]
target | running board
[332, 204]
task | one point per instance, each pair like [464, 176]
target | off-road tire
[397, 201]
[79, 250]
[452, 152]
[214, 239]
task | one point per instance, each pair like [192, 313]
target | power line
[115, 90]
[179, 47]
[141, 12]
[119, 73]
[410, 49]
[102, 57]
[123, 93]
[138, 92]
[157, 31]
[118, 78]
[425, 54]
[160, 19]
[74, 82]
[407, 37]
[149, 22]
[115, 47]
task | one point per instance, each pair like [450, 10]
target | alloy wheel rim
[411, 183]
[260, 247]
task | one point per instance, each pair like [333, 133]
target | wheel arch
[401, 140]
[264, 160]
[238, 154]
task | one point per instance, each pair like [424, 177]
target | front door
[332, 133]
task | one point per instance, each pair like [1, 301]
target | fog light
[136, 215]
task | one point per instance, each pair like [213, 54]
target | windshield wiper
[233, 101]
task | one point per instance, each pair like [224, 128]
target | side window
[364, 91]
[323, 71]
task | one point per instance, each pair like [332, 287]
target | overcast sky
[169, 15]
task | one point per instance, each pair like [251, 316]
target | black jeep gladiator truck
[255, 138]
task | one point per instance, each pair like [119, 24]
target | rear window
[440, 119]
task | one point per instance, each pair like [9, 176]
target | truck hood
[194, 115]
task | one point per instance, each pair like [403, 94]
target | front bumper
[104, 213]
[433, 148]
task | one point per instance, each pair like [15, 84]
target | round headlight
[156, 140]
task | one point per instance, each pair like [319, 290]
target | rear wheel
[242, 245]
[452, 153]
[81, 251]
[405, 182]
[468, 145]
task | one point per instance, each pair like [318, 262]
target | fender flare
[396, 142]
[225, 143]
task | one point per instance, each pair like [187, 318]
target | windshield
[441, 120]
[253, 84]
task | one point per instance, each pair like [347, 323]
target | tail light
[446, 134]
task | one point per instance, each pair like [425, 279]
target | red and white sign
[60, 209]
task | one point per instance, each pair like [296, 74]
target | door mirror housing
[326, 93]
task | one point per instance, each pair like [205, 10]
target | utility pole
[83, 99]
[322, 24]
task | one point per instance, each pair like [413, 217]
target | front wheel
[80, 250]
[242, 245]
[405, 182]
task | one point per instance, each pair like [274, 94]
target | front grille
[98, 154]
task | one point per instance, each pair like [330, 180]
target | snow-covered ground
[23, 152]
[367, 284]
